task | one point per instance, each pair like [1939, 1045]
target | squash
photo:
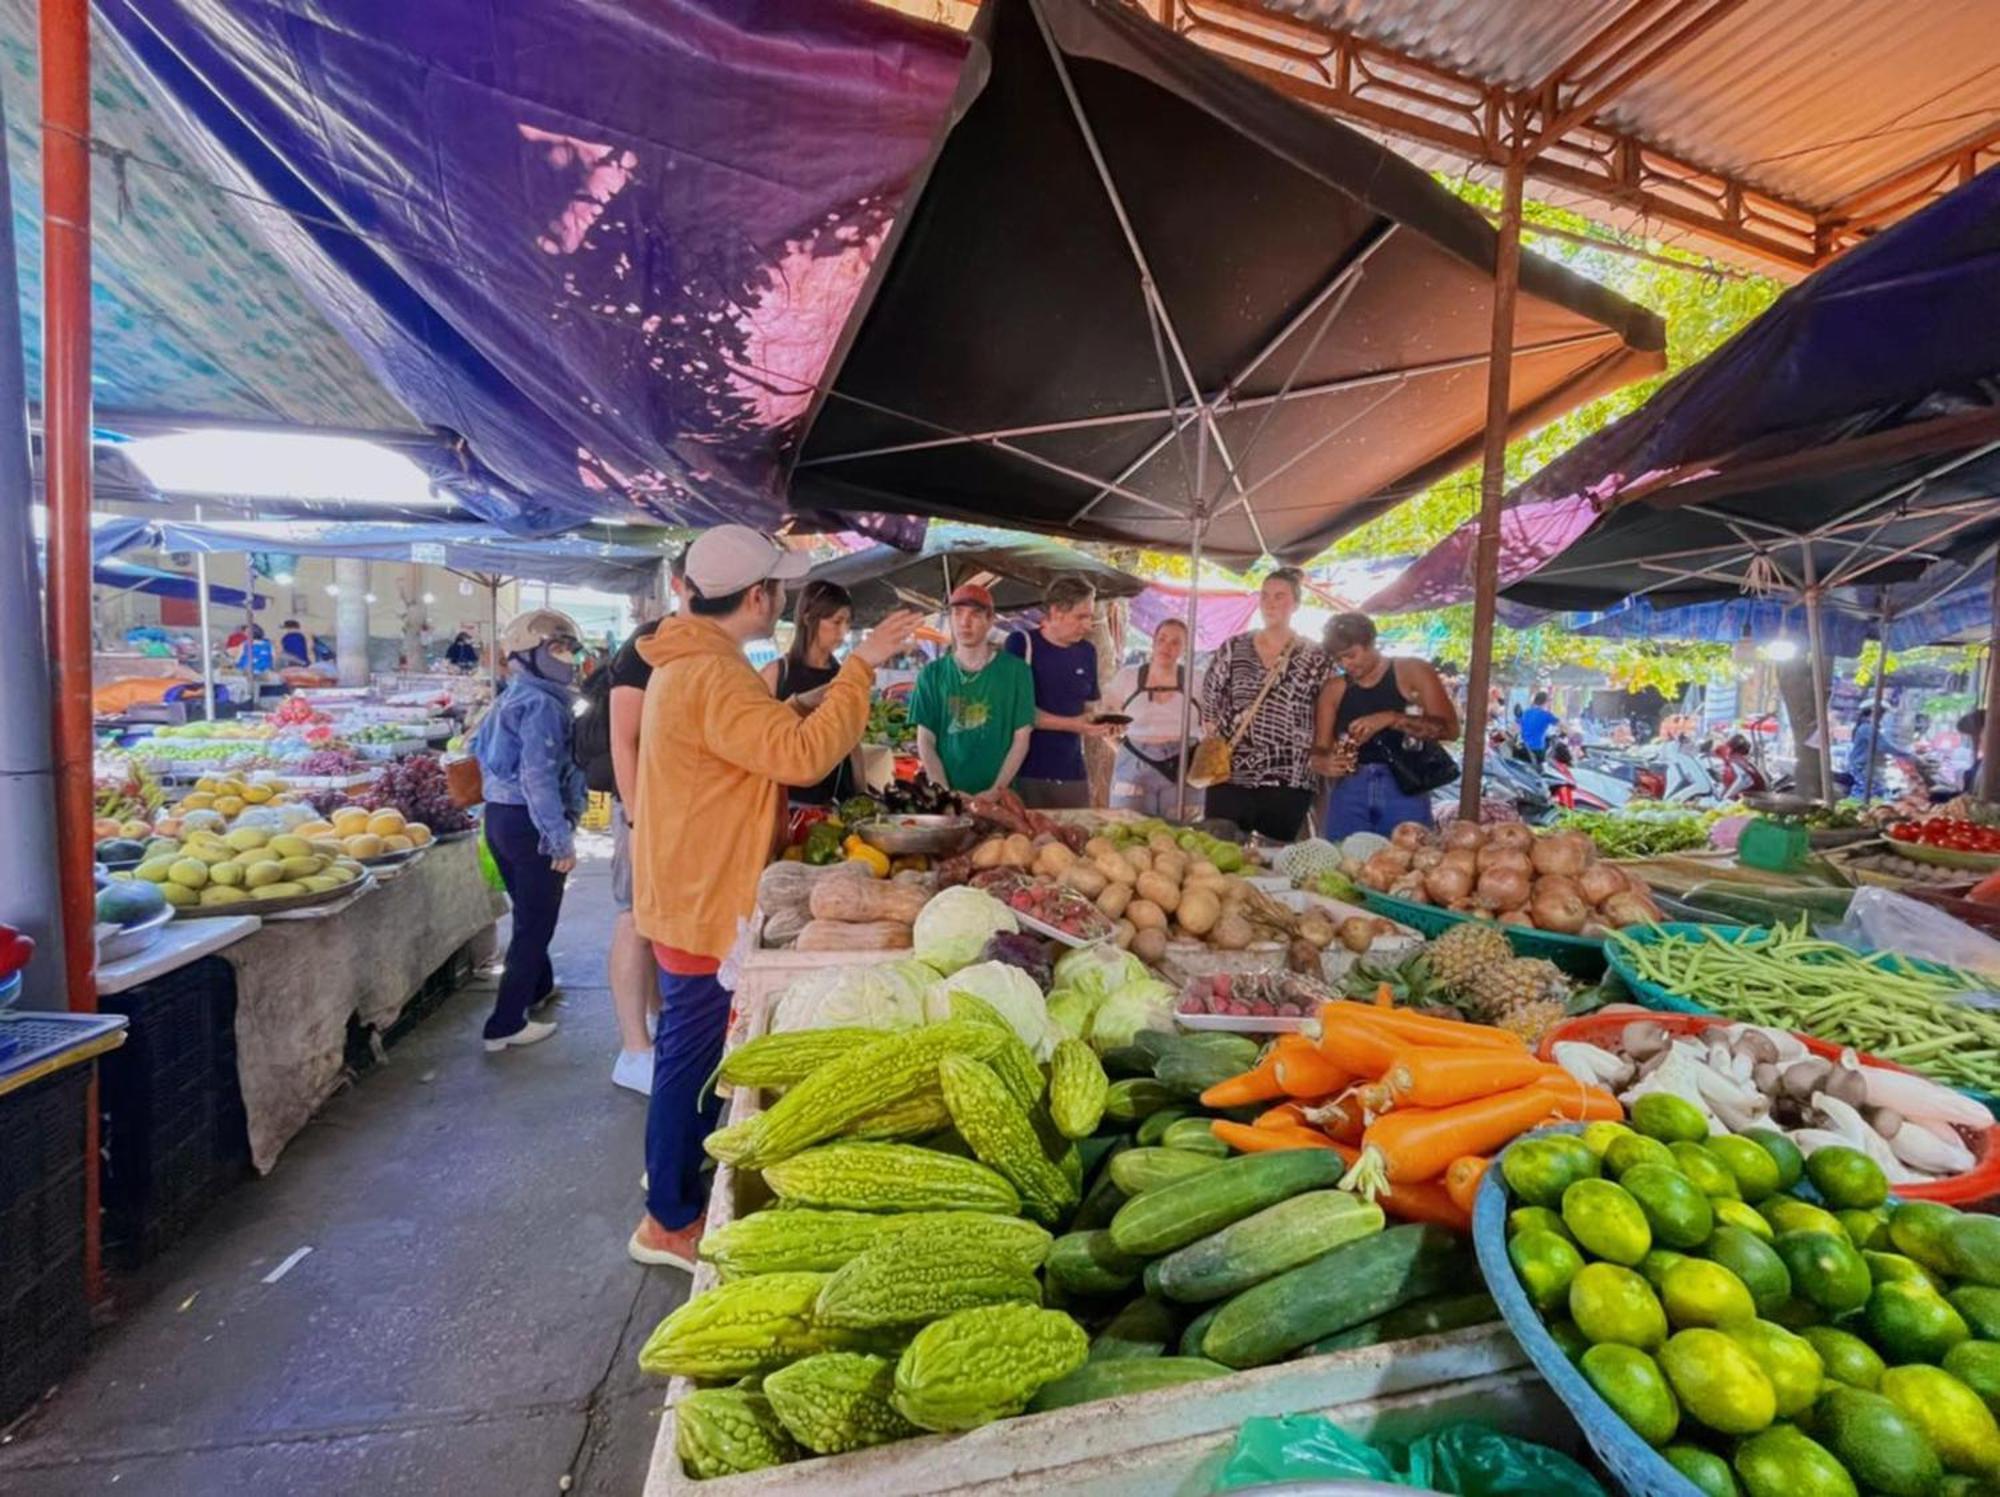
[1161, 891]
[853, 935]
[1357, 1282]
[860, 900]
[1265, 1244]
[1175, 1215]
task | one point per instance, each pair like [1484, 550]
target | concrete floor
[466, 1322]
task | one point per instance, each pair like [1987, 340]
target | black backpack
[590, 743]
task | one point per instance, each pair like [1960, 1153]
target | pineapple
[1461, 954]
[1524, 995]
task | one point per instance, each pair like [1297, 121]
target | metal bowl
[1779, 803]
[924, 836]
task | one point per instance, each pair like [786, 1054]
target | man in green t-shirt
[974, 708]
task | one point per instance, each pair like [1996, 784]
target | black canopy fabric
[882, 578]
[1136, 283]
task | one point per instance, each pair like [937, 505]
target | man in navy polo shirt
[1064, 665]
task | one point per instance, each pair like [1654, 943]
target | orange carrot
[1419, 1143]
[1422, 1029]
[1284, 1115]
[1442, 1076]
[1462, 1177]
[1383, 998]
[1358, 1049]
[1308, 1072]
[1258, 1084]
[1418, 1201]
[1249, 1139]
[1581, 1103]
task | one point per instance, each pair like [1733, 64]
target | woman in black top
[1366, 712]
[819, 627]
[1270, 784]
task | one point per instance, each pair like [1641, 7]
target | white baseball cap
[730, 558]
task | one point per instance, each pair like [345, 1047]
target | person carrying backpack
[1147, 778]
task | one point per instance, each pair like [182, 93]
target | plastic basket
[1638, 1469]
[43, 1315]
[1582, 957]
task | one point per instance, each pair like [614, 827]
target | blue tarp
[131, 577]
[603, 243]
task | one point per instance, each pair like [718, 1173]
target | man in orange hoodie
[716, 752]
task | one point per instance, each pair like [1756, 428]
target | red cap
[972, 595]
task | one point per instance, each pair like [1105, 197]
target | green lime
[1847, 1178]
[1886, 1268]
[1536, 1219]
[1788, 1360]
[1668, 1118]
[1790, 1214]
[1972, 1249]
[1865, 1229]
[1981, 1308]
[1546, 1264]
[1954, 1418]
[1718, 1382]
[1791, 1163]
[1755, 1172]
[1826, 1268]
[1752, 1260]
[1917, 1230]
[1678, 1213]
[1598, 1137]
[1610, 1303]
[1635, 1148]
[1977, 1365]
[1653, 1267]
[1697, 1292]
[1730, 1213]
[1879, 1444]
[1847, 1358]
[1539, 1170]
[1787, 1462]
[1912, 1322]
[1632, 1383]
[1709, 1472]
[1568, 1339]
[1795, 1314]
[1709, 1174]
[1606, 1221]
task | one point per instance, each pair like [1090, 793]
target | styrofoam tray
[1042, 928]
[1245, 1023]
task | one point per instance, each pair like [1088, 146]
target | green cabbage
[1012, 993]
[1147, 1003]
[1070, 1010]
[885, 995]
[1098, 971]
[952, 930]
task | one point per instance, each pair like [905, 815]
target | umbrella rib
[1321, 440]
[1977, 513]
[1352, 267]
[1046, 428]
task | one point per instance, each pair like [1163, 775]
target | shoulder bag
[1212, 755]
[1420, 765]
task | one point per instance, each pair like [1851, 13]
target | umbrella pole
[1492, 485]
[1989, 740]
[207, 631]
[1187, 697]
[1816, 663]
[1875, 717]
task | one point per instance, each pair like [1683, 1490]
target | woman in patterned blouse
[1270, 784]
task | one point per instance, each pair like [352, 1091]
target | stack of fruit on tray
[1762, 1343]
[361, 834]
[245, 865]
[982, 1216]
[1553, 881]
[415, 788]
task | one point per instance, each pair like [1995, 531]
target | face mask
[552, 667]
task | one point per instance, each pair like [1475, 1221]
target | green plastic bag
[1463, 1460]
[488, 868]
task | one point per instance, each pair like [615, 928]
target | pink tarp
[1530, 534]
[1218, 615]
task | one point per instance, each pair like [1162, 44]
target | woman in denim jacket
[534, 795]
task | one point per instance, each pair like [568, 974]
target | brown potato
[1085, 879]
[1163, 892]
[1114, 899]
[989, 853]
[1148, 916]
[1115, 868]
[1199, 910]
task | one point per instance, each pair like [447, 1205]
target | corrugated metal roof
[1812, 100]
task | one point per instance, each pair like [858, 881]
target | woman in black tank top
[1364, 715]
[820, 622]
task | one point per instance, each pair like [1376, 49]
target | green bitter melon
[1013, 1062]
[906, 1282]
[787, 1059]
[838, 1401]
[1077, 1088]
[980, 1365]
[808, 1241]
[1004, 1136]
[727, 1431]
[742, 1327]
[890, 1177]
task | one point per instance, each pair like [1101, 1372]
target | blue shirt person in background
[1064, 665]
[293, 647]
[1535, 725]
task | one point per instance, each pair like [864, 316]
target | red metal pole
[65, 48]
[1492, 485]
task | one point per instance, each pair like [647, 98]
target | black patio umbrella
[882, 578]
[1141, 297]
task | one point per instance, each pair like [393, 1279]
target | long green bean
[1788, 978]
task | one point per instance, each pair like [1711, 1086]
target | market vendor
[1064, 666]
[293, 647]
[974, 708]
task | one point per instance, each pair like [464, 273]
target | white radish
[1919, 1098]
[1922, 1149]
[1592, 1065]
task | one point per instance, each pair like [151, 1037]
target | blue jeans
[1370, 800]
[536, 892]
[694, 1018]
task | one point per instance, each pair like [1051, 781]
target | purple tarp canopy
[606, 244]
[1857, 420]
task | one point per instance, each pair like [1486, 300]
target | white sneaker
[653, 1025]
[529, 1033]
[633, 1070]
